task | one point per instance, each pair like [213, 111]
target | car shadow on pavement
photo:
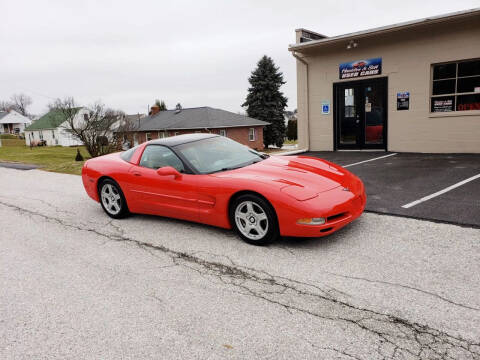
[324, 242]
[289, 242]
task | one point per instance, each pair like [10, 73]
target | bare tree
[124, 132]
[21, 102]
[5, 105]
[94, 129]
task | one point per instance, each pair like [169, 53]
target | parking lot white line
[364, 161]
[416, 202]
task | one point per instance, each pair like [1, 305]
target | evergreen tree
[161, 105]
[266, 102]
[292, 129]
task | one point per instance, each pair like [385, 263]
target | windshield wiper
[232, 167]
[240, 166]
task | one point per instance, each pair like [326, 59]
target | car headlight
[311, 221]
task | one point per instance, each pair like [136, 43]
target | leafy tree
[292, 129]
[161, 104]
[266, 102]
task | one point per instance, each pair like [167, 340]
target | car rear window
[127, 155]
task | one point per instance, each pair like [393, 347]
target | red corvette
[213, 180]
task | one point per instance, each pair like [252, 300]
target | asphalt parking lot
[398, 183]
[76, 284]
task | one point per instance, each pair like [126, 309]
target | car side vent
[336, 216]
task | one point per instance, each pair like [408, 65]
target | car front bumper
[339, 207]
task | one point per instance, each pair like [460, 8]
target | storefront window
[456, 86]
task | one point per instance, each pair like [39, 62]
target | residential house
[12, 122]
[160, 124]
[51, 128]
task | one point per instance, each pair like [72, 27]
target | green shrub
[79, 156]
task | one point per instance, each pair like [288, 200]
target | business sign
[403, 100]
[360, 68]
[325, 107]
[442, 105]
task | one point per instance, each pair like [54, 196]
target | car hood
[300, 177]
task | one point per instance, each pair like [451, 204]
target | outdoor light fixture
[352, 44]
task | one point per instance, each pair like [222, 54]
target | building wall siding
[407, 57]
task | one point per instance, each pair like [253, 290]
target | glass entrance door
[360, 114]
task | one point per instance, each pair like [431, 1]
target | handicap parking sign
[325, 107]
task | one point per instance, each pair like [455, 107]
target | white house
[51, 127]
[12, 122]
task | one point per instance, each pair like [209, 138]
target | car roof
[182, 139]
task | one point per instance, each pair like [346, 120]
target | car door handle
[137, 173]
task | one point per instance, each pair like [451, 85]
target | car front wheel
[112, 199]
[254, 219]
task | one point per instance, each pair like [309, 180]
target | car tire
[254, 219]
[112, 199]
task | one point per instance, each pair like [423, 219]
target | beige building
[410, 87]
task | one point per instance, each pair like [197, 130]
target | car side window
[157, 156]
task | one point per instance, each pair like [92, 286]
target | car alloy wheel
[251, 220]
[112, 199]
[254, 219]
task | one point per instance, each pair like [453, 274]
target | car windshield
[218, 154]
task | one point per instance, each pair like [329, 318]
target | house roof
[386, 29]
[196, 118]
[51, 120]
[14, 118]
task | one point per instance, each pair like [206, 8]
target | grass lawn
[51, 158]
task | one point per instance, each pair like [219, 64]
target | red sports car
[213, 180]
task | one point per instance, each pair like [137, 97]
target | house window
[222, 132]
[53, 134]
[251, 134]
[149, 136]
[161, 134]
[176, 133]
[40, 134]
[456, 86]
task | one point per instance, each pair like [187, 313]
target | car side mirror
[168, 170]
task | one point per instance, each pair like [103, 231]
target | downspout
[307, 102]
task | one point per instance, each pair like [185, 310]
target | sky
[197, 53]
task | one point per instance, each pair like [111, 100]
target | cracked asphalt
[76, 284]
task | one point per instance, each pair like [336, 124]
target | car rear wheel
[112, 199]
[254, 219]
